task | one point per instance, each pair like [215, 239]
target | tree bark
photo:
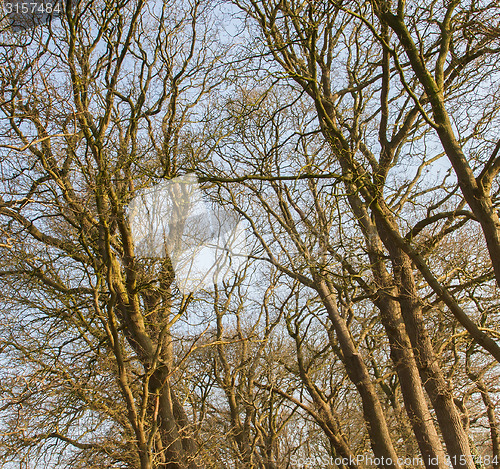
[400, 347]
[358, 373]
[435, 384]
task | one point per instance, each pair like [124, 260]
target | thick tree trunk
[176, 447]
[171, 439]
[438, 390]
[357, 371]
[411, 385]
[401, 351]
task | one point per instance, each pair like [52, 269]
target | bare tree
[459, 55]
[366, 321]
[304, 40]
[93, 108]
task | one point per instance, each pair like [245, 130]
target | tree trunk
[357, 371]
[401, 351]
[438, 390]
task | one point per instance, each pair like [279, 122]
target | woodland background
[359, 143]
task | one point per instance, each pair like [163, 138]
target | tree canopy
[353, 144]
